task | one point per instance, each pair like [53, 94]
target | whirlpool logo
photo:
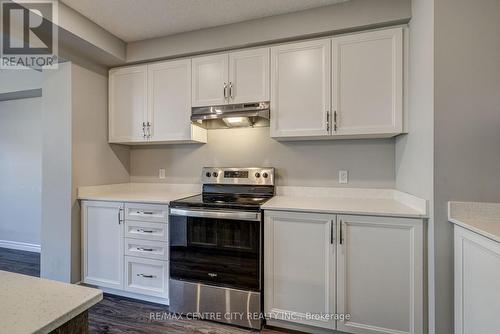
[29, 34]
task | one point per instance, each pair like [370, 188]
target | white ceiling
[133, 20]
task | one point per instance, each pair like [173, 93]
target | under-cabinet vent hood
[232, 115]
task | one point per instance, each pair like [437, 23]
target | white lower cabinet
[125, 248]
[102, 239]
[299, 261]
[380, 274]
[477, 283]
[146, 276]
[321, 267]
[145, 248]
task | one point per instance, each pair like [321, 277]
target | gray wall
[16, 80]
[75, 153]
[350, 15]
[94, 161]
[467, 124]
[415, 151]
[311, 163]
[56, 174]
[20, 171]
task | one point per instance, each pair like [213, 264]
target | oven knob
[215, 174]
[265, 175]
[207, 174]
[257, 175]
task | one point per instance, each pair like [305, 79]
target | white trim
[123, 293]
[25, 246]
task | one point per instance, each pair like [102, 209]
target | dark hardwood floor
[22, 262]
[119, 315]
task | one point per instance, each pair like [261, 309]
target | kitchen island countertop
[36, 305]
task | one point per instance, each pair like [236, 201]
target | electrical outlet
[161, 173]
[343, 176]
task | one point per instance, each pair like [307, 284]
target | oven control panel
[244, 176]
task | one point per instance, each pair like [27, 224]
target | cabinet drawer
[144, 248]
[146, 276]
[146, 230]
[146, 212]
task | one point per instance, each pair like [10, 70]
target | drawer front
[146, 212]
[146, 230]
[147, 249]
[146, 276]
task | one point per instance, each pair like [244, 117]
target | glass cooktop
[230, 201]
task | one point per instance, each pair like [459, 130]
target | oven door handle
[234, 215]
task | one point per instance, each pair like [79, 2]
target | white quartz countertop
[482, 218]
[377, 202]
[157, 193]
[337, 205]
[382, 202]
[35, 305]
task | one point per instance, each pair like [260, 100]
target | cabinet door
[127, 104]
[249, 76]
[380, 275]
[299, 262]
[300, 89]
[210, 80]
[170, 100]
[477, 283]
[368, 83]
[102, 233]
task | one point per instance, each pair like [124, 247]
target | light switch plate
[161, 173]
[343, 176]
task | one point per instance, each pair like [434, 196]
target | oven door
[216, 247]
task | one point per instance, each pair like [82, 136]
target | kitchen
[284, 174]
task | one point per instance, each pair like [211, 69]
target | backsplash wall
[305, 163]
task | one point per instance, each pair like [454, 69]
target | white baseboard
[152, 299]
[20, 246]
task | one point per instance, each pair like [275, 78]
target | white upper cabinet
[210, 80]
[249, 76]
[299, 267]
[367, 87]
[236, 77]
[127, 104]
[380, 275]
[152, 103]
[169, 99]
[300, 89]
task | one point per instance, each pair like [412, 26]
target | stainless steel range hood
[232, 115]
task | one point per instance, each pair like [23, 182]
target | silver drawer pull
[212, 274]
[145, 212]
[146, 276]
[144, 249]
[141, 230]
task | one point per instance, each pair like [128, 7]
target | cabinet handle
[230, 89]
[341, 241]
[149, 129]
[146, 276]
[141, 230]
[144, 249]
[144, 212]
[143, 129]
[335, 121]
[225, 91]
[120, 216]
[327, 121]
[331, 232]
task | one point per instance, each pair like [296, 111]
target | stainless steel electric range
[216, 247]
